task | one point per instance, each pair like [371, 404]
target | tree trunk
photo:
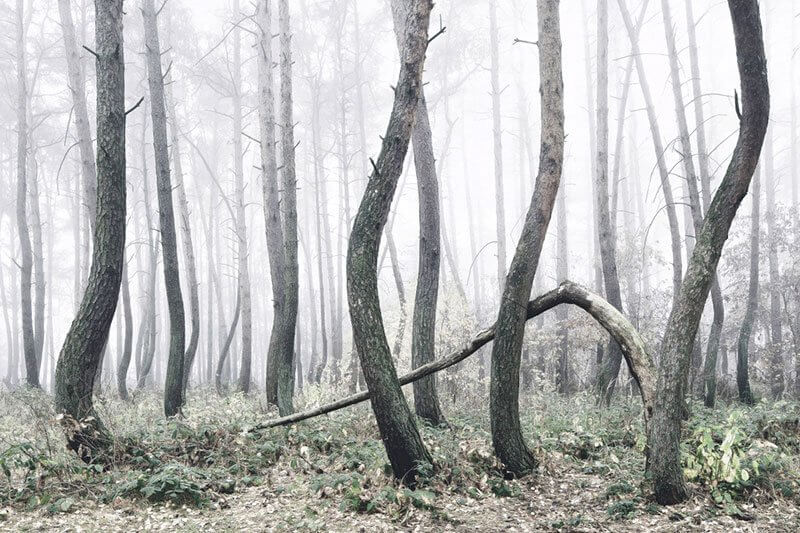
[173, 387]
[712, 348]
[507, 438]
[742, 362]
[125, 359]
[289, 211]
[88, 333]
[77, 87]
[35, 224]
[398, 429]
[499, 195]
[633, 348]
[609, 370]
[272, 214]
[664, 462]
[26, 264]
[562, 274]
[775, 319]
[188, 245]
[423, 328]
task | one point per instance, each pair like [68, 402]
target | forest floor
[209, 472]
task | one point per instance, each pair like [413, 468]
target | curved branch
[615, 323]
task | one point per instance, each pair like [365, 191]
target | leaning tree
[87, 336]
[398, 429]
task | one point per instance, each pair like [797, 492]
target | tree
[606, 234]
[125, 357]
[26, 266]
[745, 331]
[77, 87]
[291, 273]
[272, 210]
[396, 424]
[499, 195]
[86, 338]
[173, 388]
[664, 461]
[507, 438]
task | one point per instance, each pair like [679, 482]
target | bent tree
[86, 339]
[397, 427]
[506, 352]
[663, 461]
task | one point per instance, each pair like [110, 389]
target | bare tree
[88, 333]
[745, 331]
[499, 197]
[173, 388]
[507, 438]
[272, 214]
[291, 282]
[398, 429]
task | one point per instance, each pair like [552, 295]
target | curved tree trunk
[173, 387]
[623, 332]
[507, 438]
[226, 346]
[398, 429]
[664, 461]
[712, 348]
[88, 333]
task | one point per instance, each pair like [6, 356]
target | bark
[712, 348]
[323, 232]
[609, 370]
[614, 322]
[664, 461]
[37, 249]
[404, 446]
[26, 263]
[499, 195]
[242, 244]
[423, 328]
[272, 214]
[677, 269]
[173, 387]
[590, 112]
[188, 246]
[88, 333]
[226, 346]
[562, 273]
[507, 438]
[77, 87]
[776, 378]
[289, 211]
[746, 329]
[125, 359]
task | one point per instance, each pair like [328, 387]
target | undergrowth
[734, 454]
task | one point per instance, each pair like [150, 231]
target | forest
[352, 265]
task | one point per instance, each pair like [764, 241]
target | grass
[337, 463]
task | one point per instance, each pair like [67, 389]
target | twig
[135, 106]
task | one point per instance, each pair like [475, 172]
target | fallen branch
[634, 350]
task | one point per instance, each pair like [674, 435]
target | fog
[345, 65]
